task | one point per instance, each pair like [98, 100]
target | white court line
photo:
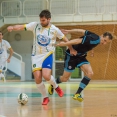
[2, 116]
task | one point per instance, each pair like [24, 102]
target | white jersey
[4, 46]
[44, 38]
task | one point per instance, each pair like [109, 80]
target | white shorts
[2, 63]
[38, 61]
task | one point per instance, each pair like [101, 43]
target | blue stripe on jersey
[83, 39]
[86, 32]
[95, 41]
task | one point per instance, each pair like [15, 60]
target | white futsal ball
[22, 98]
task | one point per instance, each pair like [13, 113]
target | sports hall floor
[100, 100]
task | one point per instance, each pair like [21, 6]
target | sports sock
[42, 90]
[58, 81]
[85, 81]
[53, 82]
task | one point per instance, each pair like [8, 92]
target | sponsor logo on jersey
[43, 40]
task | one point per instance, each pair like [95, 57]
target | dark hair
[1, 32]
[45, 13]
[108, 34]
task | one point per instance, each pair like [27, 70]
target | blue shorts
[48, 62]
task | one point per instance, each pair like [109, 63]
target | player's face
[1, 36]
[105, 40]
[44, 21]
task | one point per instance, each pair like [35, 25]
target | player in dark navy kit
[82, 45]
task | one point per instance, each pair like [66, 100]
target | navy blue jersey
[89, 41]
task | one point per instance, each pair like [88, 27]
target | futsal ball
[22, 98]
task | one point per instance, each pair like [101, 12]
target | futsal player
[4, 46]
[45, 35]
[82, 45]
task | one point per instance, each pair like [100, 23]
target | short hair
[45, 13]
[108, 34]
[1, 32]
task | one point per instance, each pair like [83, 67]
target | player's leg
[64, 78]
[2, 64]
[46, 73]
[41, 86]
[86, 68]
[69, 67]
[37, 72]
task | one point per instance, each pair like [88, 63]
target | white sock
[42, 90]
[53, 82]
[0, 76]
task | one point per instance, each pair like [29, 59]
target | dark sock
[58, 81]
[85, 81]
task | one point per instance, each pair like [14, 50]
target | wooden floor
[100, 100]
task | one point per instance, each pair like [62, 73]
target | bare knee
[46, 77]
[37, 77]
[89, 74]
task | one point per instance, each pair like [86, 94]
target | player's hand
[10, 28]
[73, 52]
[61, 44]
[8, 60]
[92, 55]
[64, 31]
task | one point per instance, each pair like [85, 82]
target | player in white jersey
[4, 46]
[45, 35]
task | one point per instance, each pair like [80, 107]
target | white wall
[24, 48]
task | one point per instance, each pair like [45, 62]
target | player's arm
[71, 42]
[73, 31]
[72, 51]
[62, 37]
[15, 28]
[10, 54]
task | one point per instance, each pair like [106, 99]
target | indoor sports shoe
[51, 90]
[59, 91]
[45, 101]
[3, 79]
[77, 97]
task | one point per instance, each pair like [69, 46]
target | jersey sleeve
[30, 26]
[60, 35]
[88, 32]
[8, 46]
[90, 39]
